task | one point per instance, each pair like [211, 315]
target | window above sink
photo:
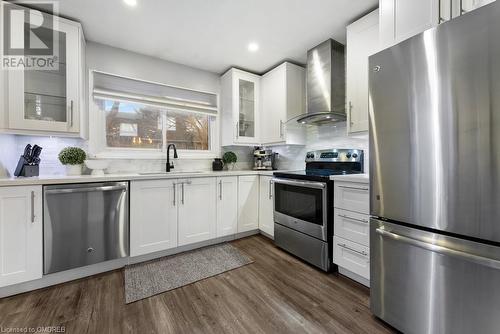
[136, 119]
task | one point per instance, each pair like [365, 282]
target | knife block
[25, 169]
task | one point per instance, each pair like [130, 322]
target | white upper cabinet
[153, 216]
[401, 19]
[240, 108]
[197, 210]
[49, 101]
[21, 236]
[266, 214]
[227, 205]
[283, 98]
[362, 41]
[248, 203]
[468, 5]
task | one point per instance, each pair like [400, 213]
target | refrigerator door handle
[481, 260]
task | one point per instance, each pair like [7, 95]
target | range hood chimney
[325, 78]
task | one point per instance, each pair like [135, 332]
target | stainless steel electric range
[303, 204]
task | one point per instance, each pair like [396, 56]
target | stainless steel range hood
[325, 78]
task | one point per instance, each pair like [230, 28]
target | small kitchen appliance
[264, 159]
[29, 163]
[303, 204]
[217, 164]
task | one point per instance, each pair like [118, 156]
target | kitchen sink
[171, 173]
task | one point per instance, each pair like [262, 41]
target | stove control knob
[348, 155]
[310, 156]
[354, 155]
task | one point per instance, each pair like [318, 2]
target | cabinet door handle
[350, 113]
[270, 189]
[440, 18]
[237, 130]
[462, 10]
[71, 114]
[220, 190]
[175, 190]
[356, 219]
[346, 187]
[352, 249]
[182, 198]
[281, 128]
[32, 207]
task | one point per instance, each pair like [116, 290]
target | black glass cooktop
[321, 175]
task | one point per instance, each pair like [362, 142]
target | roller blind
[116, 88]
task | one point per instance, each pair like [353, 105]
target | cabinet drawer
[352, 196]
[352, 226]
[351, 256]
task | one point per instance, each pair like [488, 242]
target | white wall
[291, 157]
[117, 61]
[322, 137]
[125, 63]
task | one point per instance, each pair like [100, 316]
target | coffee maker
[264, 159]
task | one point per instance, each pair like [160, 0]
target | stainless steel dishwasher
[84, 224]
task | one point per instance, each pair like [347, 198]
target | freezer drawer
[84, 224]
[423, 282]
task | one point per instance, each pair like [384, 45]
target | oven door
[302, 206]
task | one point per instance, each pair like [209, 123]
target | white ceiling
[214, 34]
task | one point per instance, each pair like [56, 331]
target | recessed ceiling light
[131, 3]
[253, 47]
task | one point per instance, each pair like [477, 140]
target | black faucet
[170, 165]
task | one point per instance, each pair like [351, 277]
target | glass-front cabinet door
[247, 88]
[46, 98]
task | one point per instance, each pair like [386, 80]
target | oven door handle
[307, 184]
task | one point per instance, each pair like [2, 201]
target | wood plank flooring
[275, 294]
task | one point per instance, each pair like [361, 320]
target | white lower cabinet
[248, 203]
[21, 234]
[197, 210]
[153, 216]
[352, 225]
[352, 256]
[351, 230]
[227, 205]
[266, 215]
[166, 214]
[352, 196]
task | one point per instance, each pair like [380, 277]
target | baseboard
[354, 276]
[77, 273]
[266, 235]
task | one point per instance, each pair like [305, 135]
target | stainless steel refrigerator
[435, 178]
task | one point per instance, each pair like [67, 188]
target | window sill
[153, 155]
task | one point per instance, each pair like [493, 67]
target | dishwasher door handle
[85, 189]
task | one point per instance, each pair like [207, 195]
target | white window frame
[97, 136]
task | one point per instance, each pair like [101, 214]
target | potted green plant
[72, 158]
[229, 158]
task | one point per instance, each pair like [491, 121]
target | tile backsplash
[290, 157]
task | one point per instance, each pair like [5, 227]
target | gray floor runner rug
[146, 279]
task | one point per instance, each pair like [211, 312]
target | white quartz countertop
[64, 179]
[361, 178]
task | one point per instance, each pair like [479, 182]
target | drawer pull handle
[346, 187]
[352, 250]
[359, 220]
